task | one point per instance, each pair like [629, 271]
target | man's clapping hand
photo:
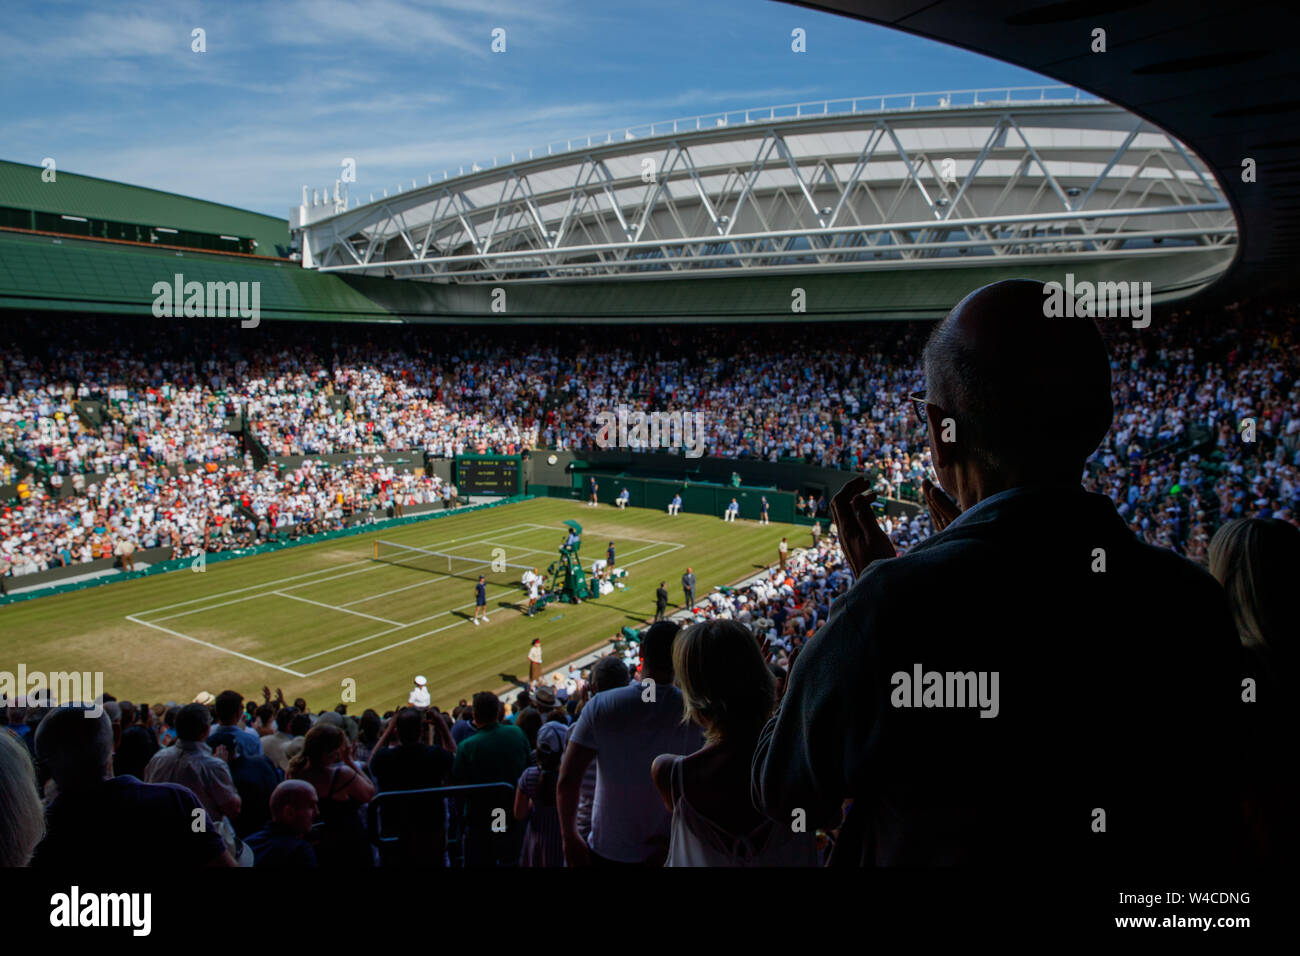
[943, 510]
[861, 539]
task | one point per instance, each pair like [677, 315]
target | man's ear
[943, 437]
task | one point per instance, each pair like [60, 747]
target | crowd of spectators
[207, 509]
[783, 607]
[739, 741]
[281, 786]
[583, 770]
[163, 410]
[841, 402]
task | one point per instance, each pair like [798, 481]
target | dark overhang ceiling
[1223, 77]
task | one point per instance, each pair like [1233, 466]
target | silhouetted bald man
[100, 821]
[1031, 684]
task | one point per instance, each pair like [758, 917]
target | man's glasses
[918, 404]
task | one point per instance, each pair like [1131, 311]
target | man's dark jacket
[1119, 692]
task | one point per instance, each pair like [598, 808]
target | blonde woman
[1257, 560]
[729, 691]
[325, 762]
[22, 818]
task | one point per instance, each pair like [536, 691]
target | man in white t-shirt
[623, 730]
[419, 696]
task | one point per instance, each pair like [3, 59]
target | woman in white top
[729, 691]
[535, 660]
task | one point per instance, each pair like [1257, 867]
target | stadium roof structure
[889, 207]
[65, 274]
[1010, 181]
[1220, 77]
[24, 187]
[62, 249]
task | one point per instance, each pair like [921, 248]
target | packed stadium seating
[1172, 461]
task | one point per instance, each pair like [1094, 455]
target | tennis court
[400, 594]
[328, 620]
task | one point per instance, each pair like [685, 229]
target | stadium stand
[96, 433]
[128, 436]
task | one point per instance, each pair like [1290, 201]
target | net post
[375, 546]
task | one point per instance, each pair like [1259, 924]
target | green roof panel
[71, 194]
[38, 272]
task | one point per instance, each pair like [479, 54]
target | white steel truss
[883, 190]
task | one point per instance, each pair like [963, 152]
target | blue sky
[287, 89]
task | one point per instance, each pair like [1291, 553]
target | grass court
[311, 619]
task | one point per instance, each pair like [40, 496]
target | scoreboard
[488, 474]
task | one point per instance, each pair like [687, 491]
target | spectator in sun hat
[419, 696]
[535, 800]
[205, 698]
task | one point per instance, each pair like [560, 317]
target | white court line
[371, 637]
[617, 537]
[380, 650]
[136, 619]
[672, 548]
[225, 650]
[372, 567]
[260, 584]
[638, 551]
[254, 597]
[393, 591]
[270, 584]
[359, 640]
[434, 580]
[382, 620]
[442, 578]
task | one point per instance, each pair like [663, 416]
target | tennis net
[494, 567]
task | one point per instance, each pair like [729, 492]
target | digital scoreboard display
[488, 474]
